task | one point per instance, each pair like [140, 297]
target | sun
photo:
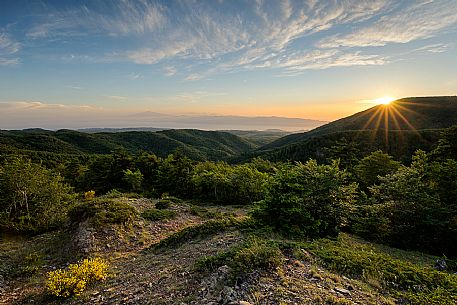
[385, 100]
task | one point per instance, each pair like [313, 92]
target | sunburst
[385, 100]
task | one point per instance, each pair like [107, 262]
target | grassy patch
[205, 229]
[102, 211]
[253, 254]
[401, 277]
[156, 214]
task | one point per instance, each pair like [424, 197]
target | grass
[205, 229]
[156, 214]
[403, 275]
[253, 254]
[102, 211]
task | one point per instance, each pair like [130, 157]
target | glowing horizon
[65, 60]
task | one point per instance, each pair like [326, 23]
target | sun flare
[385, 100]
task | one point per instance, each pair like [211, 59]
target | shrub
[89, 195]
[373, 166]
[102, 211]
[360, 260]
[157, 214]
[307, 199]
[220, 182]
[247, 257]
[163, 204]
[257, 254]
[32, 198]
[75, 279]
[113, 194]
[414, 208]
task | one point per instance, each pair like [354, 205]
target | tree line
[412, 206]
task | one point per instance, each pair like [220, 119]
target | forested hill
[399, 128]
[414, 113]
[196, 144]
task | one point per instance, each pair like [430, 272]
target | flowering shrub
[75, 279]
[89, 195]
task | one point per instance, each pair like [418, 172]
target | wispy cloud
[421, 19]
[115, 97]
[212, 37]
[169, 70]
[37, 105]
[8, 50]
[124, 18]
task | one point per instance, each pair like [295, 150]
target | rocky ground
[141, 274]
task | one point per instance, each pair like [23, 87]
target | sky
[93, 63]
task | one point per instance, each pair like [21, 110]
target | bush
[89, 195]
[373, 166]
[257, 254]
[360, 260]
[163, 204]
[157, 214]
[32, 198]
[75, 279]
[102, 211]
[247, 257]
[307, 199]
[220, 182]
[414, 208]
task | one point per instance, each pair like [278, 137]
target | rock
[297, 263]
[440, 264]
[228, 295]
[342, 291]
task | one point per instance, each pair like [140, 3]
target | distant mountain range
[399, 128]
[224, 122]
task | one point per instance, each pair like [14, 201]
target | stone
[342, 291]
[440, 264]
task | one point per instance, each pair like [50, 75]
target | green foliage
[347, 152]
[401, 277]
[414, 207]
[220, 182]
[32, 198]
[307, 199]
[205, 229]
[196, 144]
[375, 165]
[156, 214]
[102, 211]
[133, 178]
[174, 175]
[252, 255]
[447, 145]
[257, 254]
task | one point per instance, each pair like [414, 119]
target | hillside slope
[197, 144]
[399, 128]
[416, 113]
[195, 258]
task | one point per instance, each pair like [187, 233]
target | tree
[344, 151]
[447, 145]
[415, 206]
[174, 175]
[375, 165]
[307, 199]
[32, 198]
[133, 178]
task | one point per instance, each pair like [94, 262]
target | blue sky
[61, 61]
